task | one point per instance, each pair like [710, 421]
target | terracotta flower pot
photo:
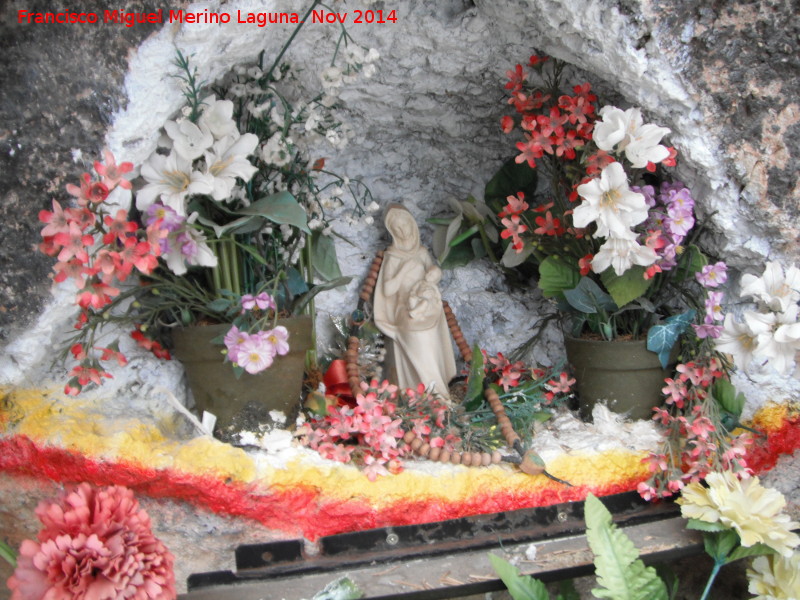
[625, 374]
[214, 384]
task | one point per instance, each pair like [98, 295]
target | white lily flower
[189, 247]
[217, 118]
[779, 291]
[171, 179]
[622, 253]
[625, 131]
[228, 160]
[738, 340]
[609, 201]
[778, 338]
[188, 139]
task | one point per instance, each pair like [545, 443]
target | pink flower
[112, 173]
[278, 338]
[94, 544]
[254, 355]
[262, 301]
[713, 275]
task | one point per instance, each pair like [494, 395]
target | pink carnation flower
[95, 543]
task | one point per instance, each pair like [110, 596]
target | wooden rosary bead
[424, 450]
[466, 459]
[477, 459]
[435, 453]
[496, 457]
[486, 459]
[455, 458]
[365, 296]
[444, 456]
[409, 437]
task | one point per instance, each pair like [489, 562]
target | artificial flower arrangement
[230, 225]
[612, 240]
[94, 543]
[368, 430]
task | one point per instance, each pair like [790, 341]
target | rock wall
[723, 77]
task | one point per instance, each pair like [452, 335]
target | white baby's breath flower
[372, 56]
[331, 78]
[373, 207]
[276, 151]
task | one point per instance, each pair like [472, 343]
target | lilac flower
[263, 301]
[254, 354]
[714, 275]
[707, 330]
[170, 220]
[233, 339]
[649, 193]
[678, 196]
[680, 221]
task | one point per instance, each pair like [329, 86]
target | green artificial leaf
[303, 300]
[626, 287]
[279, 208]
[323, 256]
[511, 258]
[521, 587]
[510, 179]
[704, 525]
[620, 573]
[463, 236]
[661, 338]
[718, 544]
[669, 578]
[474, 394]
[219, 305]
[7, 553]
[478, 249]
[754, 550]
[240, 225]
[724, 392]
[567, 591]
[692, 261]
[555, 276]
[458, 257]
[588, 297]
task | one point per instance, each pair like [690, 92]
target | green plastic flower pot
[624, 374]
[214, 384]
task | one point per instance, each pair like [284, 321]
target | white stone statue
[408, 309]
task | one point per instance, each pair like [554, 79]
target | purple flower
[707, 330]
[170, 220]
[263, 301]
[649, 193]
[233, 339]
[714, 275]
[278, 338]
[680, 220]
[255, 354]
[714, 307]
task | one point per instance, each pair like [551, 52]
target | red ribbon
[336, 384]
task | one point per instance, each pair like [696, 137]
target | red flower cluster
[371, 431]
[694, 445]
[97, 249]
[95, 543]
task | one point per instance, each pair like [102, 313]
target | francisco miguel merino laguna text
[262, 19]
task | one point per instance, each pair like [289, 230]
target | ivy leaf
[323, 256]
[555, 276]
[621, 575]
[280, 208]
[588, 297]
[626, 287]
[661, 338]
[521, 587]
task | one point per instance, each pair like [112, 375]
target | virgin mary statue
[408, 309]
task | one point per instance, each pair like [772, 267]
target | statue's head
[402, 227]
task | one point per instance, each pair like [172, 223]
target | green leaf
[719, 544]
[463, 236]
[219, 305]
[511, 258]
[661, 338]
[279, 208]
[620, 573]
[555, 276]
[521, 587]
[323, 256]
[724, 392]
[303, 300]
[692, 261]
[588, 297]
[704, 525]
[510, 179]
[669, 578]
[567, 591]
[474, 394]
[626, 287]
[458, 257]
[7, 553]
[754, 550]
[239, 225]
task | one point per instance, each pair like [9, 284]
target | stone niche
[723, 78]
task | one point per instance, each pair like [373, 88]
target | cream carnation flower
[745, 506]
[774, 577]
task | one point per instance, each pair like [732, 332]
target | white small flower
[254, 72]
[189, 140]
[331, 78]
[372, 56]
[622, 254]
[313, 121]
[625, 131]
[276, 151]
[610, 203]
[217, 118]
[369, 71]
[369, 220]
[373, 207]
[315, 224]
